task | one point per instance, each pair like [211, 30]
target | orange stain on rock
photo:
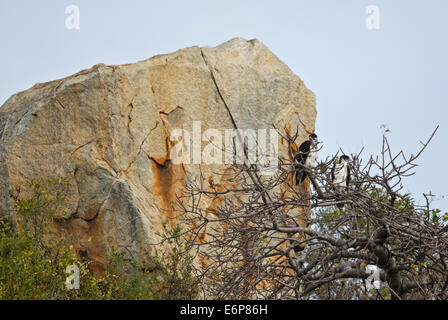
[168, 178]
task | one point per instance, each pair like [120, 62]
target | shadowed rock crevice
[212, 75]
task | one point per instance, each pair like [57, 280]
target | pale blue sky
[362, 78]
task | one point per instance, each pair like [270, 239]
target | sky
[363, 78]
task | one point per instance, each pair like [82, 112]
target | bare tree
[267, 238]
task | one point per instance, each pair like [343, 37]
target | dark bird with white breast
[306, 157]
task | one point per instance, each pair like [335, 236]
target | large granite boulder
[107, 130]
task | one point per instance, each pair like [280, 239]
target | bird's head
[344, 159]
[313, 139]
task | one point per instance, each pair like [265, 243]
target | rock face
[107, 130]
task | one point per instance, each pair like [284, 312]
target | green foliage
[33, 259]
[169, 275]
[31, 268]
[174, 268]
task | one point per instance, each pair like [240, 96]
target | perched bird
[340, 175]
[306, 156]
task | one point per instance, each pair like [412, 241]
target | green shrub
[33, 259]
